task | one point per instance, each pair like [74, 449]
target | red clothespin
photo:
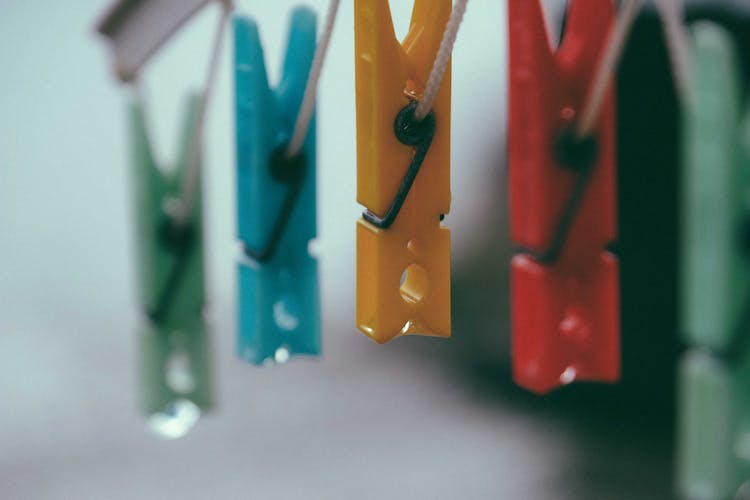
[564, 283]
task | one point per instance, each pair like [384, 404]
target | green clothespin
[174, 346]
[714, 397]
[715, 189]
[714, 434]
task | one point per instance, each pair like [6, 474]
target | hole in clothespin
[286, 312]
[413, 284]
[178, 373]
[574, 327]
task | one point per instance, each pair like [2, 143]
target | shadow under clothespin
[174, 347]
[714, 402]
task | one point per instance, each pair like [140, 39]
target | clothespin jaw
[171, 278]
[278, 277]
[403, 270]
[714, 404]
[564, 283]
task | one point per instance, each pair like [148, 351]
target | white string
[441, 60]
[607, 64]
[192, 170]
[308, 98]
[671, 12]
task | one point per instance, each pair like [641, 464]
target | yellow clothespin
[403, 250]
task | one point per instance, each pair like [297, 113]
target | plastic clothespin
[278, 276]
[400, 236]
[174, 345]
[714, 451]
[564, 283]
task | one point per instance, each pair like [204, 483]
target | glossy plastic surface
[403, 272]
[714, 402]
[565, 314]
[171, 279]
[278, 298]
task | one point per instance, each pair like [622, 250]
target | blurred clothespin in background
[276, 199]
[136, 29]
[174, 346]
[403, 174]
[562, 194]
[714, 401]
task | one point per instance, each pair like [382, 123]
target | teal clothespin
[276, 200]
[173, 343]
[714, 400]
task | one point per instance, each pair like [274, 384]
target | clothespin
[136, 29]
[276, 200]
[175, 359]
[174, 346]
[403, 175]
[564, 282]
[714, 402]
[713, 455]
